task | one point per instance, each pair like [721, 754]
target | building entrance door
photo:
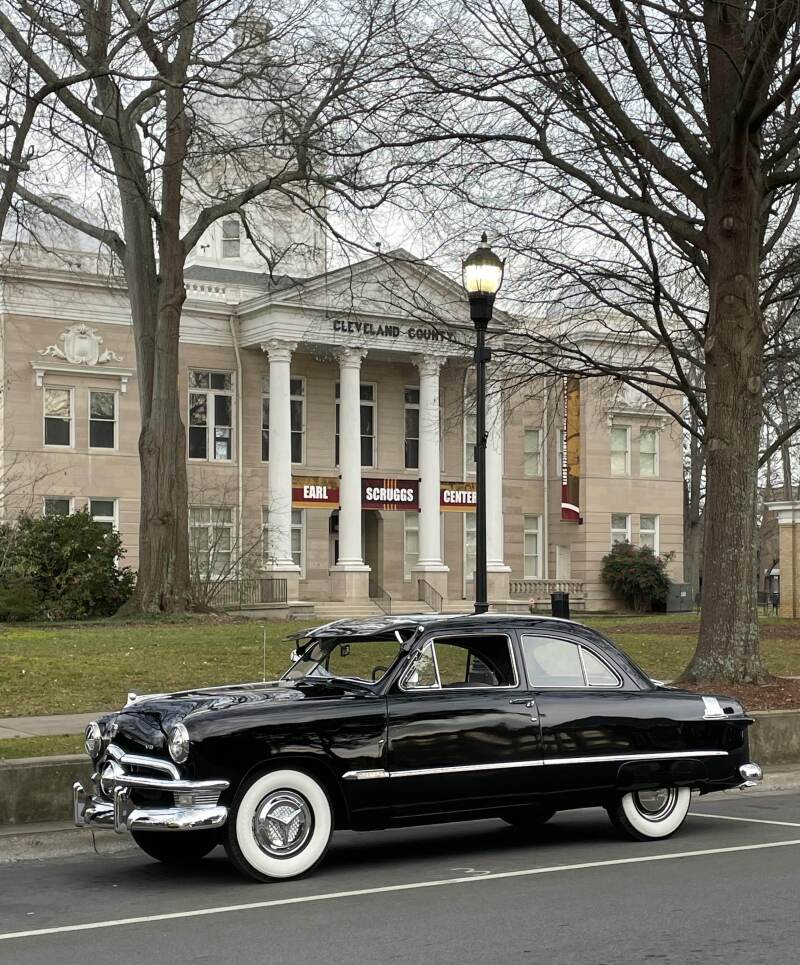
[372, 530]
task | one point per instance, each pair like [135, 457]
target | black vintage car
[408, 720]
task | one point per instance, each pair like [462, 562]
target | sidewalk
[41, 726]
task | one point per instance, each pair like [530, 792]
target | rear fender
[641, 775]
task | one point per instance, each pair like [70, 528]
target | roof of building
[239, 276]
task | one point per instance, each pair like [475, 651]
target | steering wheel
[377, 672]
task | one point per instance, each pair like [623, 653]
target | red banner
[571, 451]
[391, 494]
[315, 492]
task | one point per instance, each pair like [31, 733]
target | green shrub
[636, 575]
[18, 599]
[70, 565]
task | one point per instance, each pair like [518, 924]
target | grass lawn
[59, 669]
[14, 747]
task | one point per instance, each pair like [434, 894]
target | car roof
[368, 626]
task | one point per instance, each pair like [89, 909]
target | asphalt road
[726, 888]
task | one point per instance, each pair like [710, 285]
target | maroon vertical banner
[571, 451]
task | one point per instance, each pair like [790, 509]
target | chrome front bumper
[751, 775]
[195, 803]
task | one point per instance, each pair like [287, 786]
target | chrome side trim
[611, 758]
[377, 773]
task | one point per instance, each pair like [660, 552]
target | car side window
[456, 662]
[561, 663]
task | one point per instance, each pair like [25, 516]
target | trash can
[559, 605]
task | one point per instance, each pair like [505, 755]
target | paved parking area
[725, 888]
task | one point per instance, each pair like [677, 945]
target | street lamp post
[482, 274]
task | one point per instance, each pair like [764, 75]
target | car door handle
[528, 701]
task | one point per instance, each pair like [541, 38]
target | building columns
[430, 565]
[498, 574]
[279, 489]
[350, 575]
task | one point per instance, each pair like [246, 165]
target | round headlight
[93, 740]
[178, 743]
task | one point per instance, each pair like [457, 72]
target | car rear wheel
[280, 825]
[528, 817]
[645, 815]
[176, 847]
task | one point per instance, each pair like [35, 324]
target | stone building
[330, 428]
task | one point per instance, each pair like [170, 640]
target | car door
[590, 714]
[461, 733]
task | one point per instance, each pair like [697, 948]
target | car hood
[147, 720]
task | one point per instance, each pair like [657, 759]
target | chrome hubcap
[655, 805]
[283, 823]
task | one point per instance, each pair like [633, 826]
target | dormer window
[231, 238]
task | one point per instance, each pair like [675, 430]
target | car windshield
[363, 659]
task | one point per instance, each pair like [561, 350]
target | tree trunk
[728, 647]
[692, 512]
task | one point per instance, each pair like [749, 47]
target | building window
[410, 543]
[648, 532]
[532, 452]
[297, 418]
[531, 559]
[620, 451]
[265, 420]
[57, 505]
[470, 440]
[102, 420]
[58, 417]
[412, 428]
[469, 546]
[368, 422]
[620, 528]
[648, 452]
[104, 513]
[211, 416]
[231, 238]
[298, 539]
[210, 540]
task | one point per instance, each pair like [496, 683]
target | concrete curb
[25, 842]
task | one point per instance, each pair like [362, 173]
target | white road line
[729, 817]
[386, 889]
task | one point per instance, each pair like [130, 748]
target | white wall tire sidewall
[664, 827]
[297, 864]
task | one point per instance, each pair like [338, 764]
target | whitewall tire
[280, 825]
[648, 815]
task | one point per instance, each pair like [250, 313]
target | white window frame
[408, 562]
[614, 529]
[655, 531]
[264, 428]
[469, 571]
[361, 403]
[294, 527]
[564, 556]
[413, 406]
[89, 420]
[301, 398]
[113, 519]
[230, 239]
[211, 426]
[529, 529]
[537, 452]
[59, 388]
[656, 453]
[209, 528]
[69, 499]
[627, 451]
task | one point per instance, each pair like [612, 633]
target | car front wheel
[645, 815]
[280, 825]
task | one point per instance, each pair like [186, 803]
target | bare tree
[178, 113]
[641, 161]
